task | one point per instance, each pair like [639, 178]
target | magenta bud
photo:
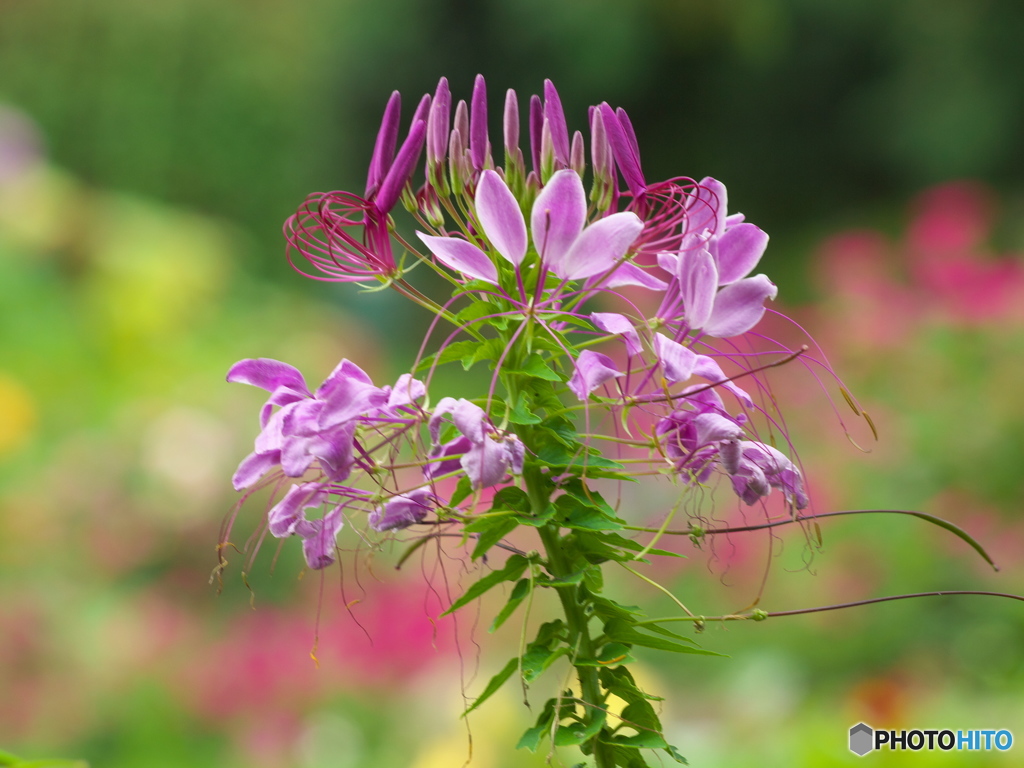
[536, 128]
[577, 154]
[479, 143]
[401, 170]
[384, 148]
[624, 150]
[422, 110]
[438, 124]
[461, 123]
[556, 117]
[511, 124]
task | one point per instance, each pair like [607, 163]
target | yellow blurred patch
[17, 414]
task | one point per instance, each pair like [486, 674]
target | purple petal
[468, 417]
[479, 145]
[677, 360]
[738, 251]
[401, 170]
[253, 468]
[500, 217]
[345, 373]
[406, 390]
[384, 148]
[462, 257]
[592, 370]
[740, 306]
[611, 322]
[295, 456]
[713, 427]
[349, 399]
[558, 216]
[319, 538]
[333, 449]
[284, 516]
[707, 368]
[556, 119]
[698, 283]
[267, 374]
[599, 246]
[487, 462]
[712, 194]
[439, 461]
[628, 273]
[402, 510]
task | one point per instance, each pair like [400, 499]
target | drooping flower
[313, 427]
[486, 456]
[592, 369]
[402, 510]
[288, 517]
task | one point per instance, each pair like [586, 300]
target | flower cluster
[538, 261]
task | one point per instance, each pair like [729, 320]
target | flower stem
[576, 620]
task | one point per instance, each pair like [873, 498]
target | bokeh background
[149, 153]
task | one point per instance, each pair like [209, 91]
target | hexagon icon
[861, 739]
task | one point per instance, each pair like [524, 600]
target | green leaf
[623, 631]
[578, 733]
[521, 412]
[532, 738]
[628, 758]
[462, 490]
[519, 593]
[639, 740]
[538, 659]
[538, 520]
[511, 497]
[490, 531]
[536, 367]
[674, 753]
[641, 715]
[513, 569]
[574, 514]
[496, 682]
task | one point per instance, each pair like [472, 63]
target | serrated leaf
[513, 569]
[495, 683]
[521, 412]
[536, 367]
[519, 593]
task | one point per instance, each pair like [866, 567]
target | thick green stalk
[576, 620]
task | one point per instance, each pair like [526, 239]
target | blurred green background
[149, 153]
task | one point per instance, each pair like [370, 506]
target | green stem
[576, 620]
